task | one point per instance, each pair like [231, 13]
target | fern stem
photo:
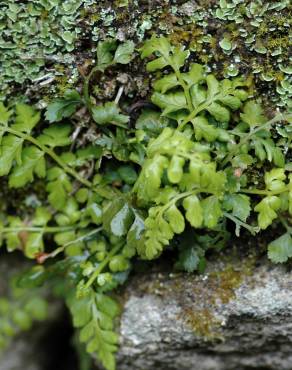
[52, 154]
[285, 224]
[45, 229]
[253, 230]
[181, 81]
[252, 132]
[262, 192]
[194, 113]
[178, 197]
[80, 239]
[58, 160]
[99, 190]
[185, 88]
[103, 264]
[86, 88]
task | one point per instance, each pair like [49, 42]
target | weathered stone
[235, 316]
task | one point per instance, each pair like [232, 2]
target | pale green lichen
[231, 37]
[34, 36]
[244, 37]
[263, 31]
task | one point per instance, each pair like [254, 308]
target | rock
[238, 315]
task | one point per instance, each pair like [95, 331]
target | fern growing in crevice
[183, 173]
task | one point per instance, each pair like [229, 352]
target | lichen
[231, 37]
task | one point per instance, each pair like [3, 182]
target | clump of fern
[181, 174]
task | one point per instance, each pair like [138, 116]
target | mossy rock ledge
[235, 316]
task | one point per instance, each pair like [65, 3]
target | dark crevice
[57, 343]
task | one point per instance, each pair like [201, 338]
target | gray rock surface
[238, 315]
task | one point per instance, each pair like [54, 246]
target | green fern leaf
[64, 107]
[239, 204]
[59, 187]
[109, 113]
[253, 114]
[175, 219]
[117, 217]
[32, 161]
[19, 311]
[195, 74]
[104, 53]
[212, 211]
[169, 103]
[194, 212]
[55, 135]
[267, 210]
[12, 239]
[34, 245]
[166, 83]
[203, 130]
[26, 118]
[5, 115]
[124, 52]
[220, 113]
[11, 148]
[156, 44]
[280, 250]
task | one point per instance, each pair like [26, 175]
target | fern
[94, 315]
[199, 99]
[192, 175]
[195, 92]
[179, 178]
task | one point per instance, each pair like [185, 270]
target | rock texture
[238, 315]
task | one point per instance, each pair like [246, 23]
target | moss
[278, 41]
[190, 34]
[218, 288]
[203, 323]
[226, 282]
[62, 84]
